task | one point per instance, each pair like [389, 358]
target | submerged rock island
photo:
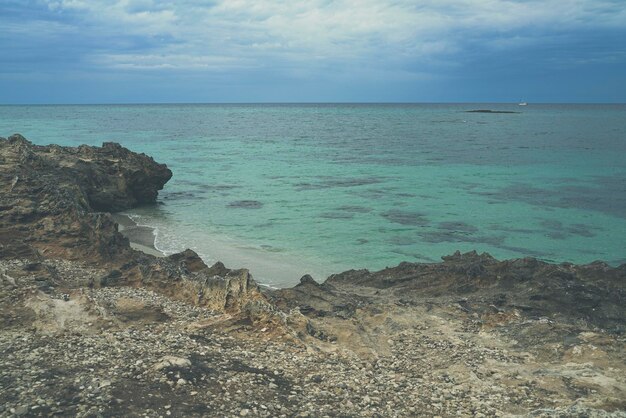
[93, 327]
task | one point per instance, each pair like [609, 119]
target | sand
[142, 238]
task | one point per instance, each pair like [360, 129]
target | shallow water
[291, 189]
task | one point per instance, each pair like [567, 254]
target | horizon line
[306, 103]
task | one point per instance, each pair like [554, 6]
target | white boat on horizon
[522, 104]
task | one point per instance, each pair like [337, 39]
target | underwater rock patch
[405, 217]
[246, 204]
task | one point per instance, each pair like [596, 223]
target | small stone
[171, 361]
[21, 410]
[244, 412]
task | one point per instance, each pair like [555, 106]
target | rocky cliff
[54, 199]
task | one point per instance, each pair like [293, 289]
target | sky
[217, 51]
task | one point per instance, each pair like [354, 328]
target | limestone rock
[184, 276]
[51, 197]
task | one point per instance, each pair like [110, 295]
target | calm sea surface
[292, 189]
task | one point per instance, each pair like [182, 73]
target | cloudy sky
[119, 51]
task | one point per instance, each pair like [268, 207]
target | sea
[292, 189]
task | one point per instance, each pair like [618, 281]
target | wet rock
[489, 111]
[307, 279]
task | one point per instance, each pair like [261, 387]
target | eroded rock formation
[54, 199]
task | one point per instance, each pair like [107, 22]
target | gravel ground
[78, 351]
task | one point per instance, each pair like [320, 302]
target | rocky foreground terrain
[91, 327]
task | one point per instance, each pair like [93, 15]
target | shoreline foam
[143, 238]
[269, 268]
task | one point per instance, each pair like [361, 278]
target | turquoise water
[291, 189]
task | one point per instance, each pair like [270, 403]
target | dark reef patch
[557, 230]
[552, 228]
[337, 215]
[605, 194]
[246, 204]
[354, 209]
[401, 240]
[457, 226]
[271, 248]
[406, 218]
[221, 186]
[512, 230]
[334, 182]
[373, 194]
[457, 236]
[182, 195]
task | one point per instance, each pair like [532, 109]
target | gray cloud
[315, 50]
[249, 33]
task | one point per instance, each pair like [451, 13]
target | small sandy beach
[141, 237]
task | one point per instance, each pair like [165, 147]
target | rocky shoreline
[93, 327]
